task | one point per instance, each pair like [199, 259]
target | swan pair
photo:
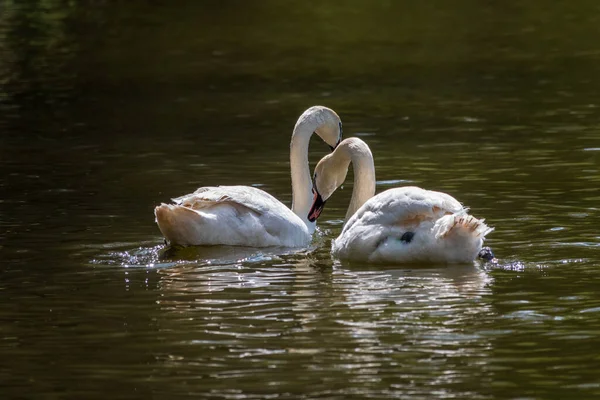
[399, 225]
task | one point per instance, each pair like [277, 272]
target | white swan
[405, 224]
[247, 216]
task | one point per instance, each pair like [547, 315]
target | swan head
[324, 122]
[486, 254]
[330, 173]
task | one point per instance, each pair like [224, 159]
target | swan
[245, 215]
[404, 224]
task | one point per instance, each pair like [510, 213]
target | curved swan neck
[301, 182]
[364, 175]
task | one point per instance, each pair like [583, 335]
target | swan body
[245, 215]
[233, 215]
[440, 230]
[400, 225]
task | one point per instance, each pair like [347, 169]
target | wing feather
[242, 198]
[404, 206]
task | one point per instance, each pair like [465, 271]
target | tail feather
[461, 223]
[178, 224]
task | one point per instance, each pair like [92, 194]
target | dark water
[109, 108]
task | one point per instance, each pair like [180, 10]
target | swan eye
[341, 131]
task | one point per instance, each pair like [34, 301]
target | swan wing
[231, 215]
[246, 198]
[404, 206]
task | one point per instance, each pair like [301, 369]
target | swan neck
[364, 180]
[301, 182]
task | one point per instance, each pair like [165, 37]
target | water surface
[107, 109]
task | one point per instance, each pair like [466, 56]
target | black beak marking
[316, 208]
[337, 144]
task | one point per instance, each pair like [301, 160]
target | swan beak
[316, 208]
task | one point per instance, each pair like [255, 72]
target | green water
[109, 108]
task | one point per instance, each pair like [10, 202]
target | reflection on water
[283, 315]
[108, 109]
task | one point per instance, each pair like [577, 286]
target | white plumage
[441, 229]
[232, 215]
[247, 216]
[400, 225]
